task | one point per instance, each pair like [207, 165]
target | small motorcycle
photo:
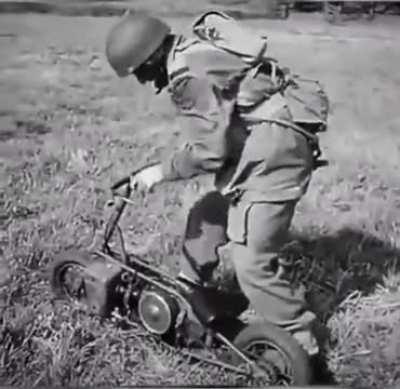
[110, 281]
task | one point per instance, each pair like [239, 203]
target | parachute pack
[305, 97]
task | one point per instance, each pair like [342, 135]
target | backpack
[306, 98]
[228, 34]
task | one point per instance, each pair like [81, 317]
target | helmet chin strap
[161, 81]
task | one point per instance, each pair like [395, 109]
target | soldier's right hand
[145, 180]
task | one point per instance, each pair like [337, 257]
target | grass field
[69, 128]
[242, 8]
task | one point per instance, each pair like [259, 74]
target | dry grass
[68, 128]
[365, 338]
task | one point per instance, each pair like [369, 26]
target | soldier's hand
[145, 180]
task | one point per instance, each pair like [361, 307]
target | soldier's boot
[209, 302]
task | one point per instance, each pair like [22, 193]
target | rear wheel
[278, 358]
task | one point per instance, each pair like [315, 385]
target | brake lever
[125, 181]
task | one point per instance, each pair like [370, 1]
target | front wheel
[277, 357]
[67, 274]
[86, 280]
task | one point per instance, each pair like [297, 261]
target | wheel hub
[272, 363]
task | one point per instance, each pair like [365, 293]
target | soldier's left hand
[145, 180]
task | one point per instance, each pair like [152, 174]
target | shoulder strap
[176, 64]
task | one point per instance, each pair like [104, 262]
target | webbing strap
[294, 127]
[312, 138]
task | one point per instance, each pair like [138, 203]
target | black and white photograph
[200, 193]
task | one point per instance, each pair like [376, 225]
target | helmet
[133, 40]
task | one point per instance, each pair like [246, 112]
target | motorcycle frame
[119, 203]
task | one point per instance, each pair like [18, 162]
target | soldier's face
[146, 73]
[152, 72]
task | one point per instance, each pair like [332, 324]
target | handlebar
[119, 206]
[123, 181]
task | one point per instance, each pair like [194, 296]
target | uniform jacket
[226, 134]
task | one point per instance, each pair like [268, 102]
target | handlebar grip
[126, 180]
[123, 181]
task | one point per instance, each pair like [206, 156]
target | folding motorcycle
[204, 323]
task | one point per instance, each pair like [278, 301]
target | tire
[61, 264]
[285, 354]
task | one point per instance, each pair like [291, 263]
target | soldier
[262, 166]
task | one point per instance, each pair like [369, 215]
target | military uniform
[233, 128]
